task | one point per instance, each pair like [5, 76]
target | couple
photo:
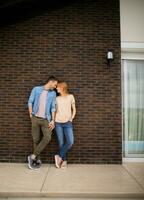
[48, 111]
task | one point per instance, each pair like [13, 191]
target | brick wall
[69, 42]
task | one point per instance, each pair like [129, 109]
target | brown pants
[38, 125]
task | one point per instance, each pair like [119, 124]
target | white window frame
[132, 51]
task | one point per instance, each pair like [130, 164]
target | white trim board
[131, 50]
[132, 56]
[132, 160]
[132, 47]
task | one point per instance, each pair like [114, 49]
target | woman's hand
[51, 125]
[71, 120]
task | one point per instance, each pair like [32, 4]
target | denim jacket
[50, 102]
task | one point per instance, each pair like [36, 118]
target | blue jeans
[65, 137]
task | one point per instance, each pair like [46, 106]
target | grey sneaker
[32, 163]
[36, 165]
[39, 163]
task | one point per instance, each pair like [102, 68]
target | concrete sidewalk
[77, 181]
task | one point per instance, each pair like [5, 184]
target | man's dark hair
[51, 78]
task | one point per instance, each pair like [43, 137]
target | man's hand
[51, 125]
[30, 111]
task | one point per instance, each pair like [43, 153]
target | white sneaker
[64, 164]
[58, 161]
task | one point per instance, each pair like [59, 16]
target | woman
[65, 113]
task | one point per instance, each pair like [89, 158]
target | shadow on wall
[12, 11]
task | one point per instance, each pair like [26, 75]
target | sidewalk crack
[133, 177]
[45, 178]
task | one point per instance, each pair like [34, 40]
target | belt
[39, 117]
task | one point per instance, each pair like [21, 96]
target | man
[42, 109]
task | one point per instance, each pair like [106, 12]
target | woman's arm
[73, 110]
[73, 107]
[53, 112]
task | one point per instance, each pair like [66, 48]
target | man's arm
[30, 111]
[30, 101]
[53, 116]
